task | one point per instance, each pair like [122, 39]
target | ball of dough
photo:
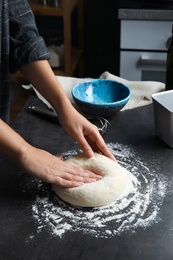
[114, 181]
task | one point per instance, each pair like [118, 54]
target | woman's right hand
[39, 163]
[52, 169]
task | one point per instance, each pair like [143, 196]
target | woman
[21, 48]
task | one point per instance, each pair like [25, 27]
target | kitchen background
[101, 35]
[105, 49]
[145, 34]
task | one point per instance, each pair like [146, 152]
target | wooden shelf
[48, 10]
[76, 57]
[73, 57]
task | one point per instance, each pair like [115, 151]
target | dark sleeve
[26, 45]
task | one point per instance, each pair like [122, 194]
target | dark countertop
[22, 237]
[145, 14]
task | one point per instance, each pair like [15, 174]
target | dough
[114, 181]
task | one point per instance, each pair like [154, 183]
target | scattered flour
[138, 208]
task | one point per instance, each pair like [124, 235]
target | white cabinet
[145, 35]
[143, 49]
[142, 65]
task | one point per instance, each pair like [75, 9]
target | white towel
[67, 84]
[141, 91]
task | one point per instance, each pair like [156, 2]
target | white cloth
[141, 91]
[67, 84]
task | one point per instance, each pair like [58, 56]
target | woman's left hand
[85, 133]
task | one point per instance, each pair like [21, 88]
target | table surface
[23, 237]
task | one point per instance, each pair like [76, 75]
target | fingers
[73, 173]
[71, 176]
[94, 142]
[85, 146]
[105, 151]
[75, 177]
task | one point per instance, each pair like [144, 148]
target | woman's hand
[41, 164]
[85, 133]
[52, 169]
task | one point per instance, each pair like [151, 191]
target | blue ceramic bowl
[101, 97]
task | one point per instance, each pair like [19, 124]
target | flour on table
[137, 209]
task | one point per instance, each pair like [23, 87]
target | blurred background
[101, 35]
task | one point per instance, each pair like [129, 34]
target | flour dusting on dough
[138, 208]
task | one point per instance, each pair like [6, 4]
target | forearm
[39, 163]
[11, 144]
[41, 76]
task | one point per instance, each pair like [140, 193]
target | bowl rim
[102, 105]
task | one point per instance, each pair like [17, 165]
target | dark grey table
[19, 236]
